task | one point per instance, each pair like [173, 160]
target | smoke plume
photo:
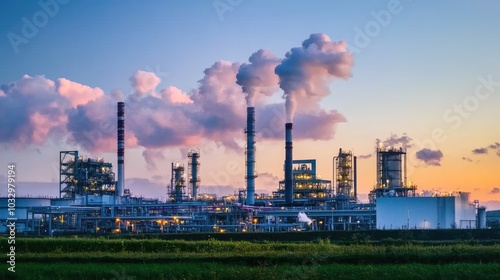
[258, 76]
[34, 110]
[306, 71]
[303, 218]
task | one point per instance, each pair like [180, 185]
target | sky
[417, 73]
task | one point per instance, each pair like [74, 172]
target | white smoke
[306, 72]
[304, 219]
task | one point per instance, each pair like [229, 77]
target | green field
[100, 258]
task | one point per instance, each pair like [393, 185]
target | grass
[211, 270]
[84, 258]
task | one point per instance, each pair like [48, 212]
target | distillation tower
[344, 174]
[391, 174]
[193, 169]
[177, 182]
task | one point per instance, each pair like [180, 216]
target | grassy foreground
[82, 258]
[232, 271]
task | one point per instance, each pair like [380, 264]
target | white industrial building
[437, 212]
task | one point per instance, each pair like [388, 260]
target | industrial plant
[93, 199]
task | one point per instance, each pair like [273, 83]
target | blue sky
[407, 73]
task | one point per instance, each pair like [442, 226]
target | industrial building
[93, 199]
[437, 212]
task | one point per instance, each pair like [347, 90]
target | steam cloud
[303, 218]
[34, 110]
[430, 157]
[306, 71]
[258, 76]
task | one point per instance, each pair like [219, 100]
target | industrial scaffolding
[177, 183]
[307, 186]
[79, 175]
[344, 174]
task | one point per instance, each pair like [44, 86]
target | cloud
[36, 109]
[467, 159]
[495, 145]
[430, 157]
[495, 191]
[306, 71]
[146, 187]
[143, 82]
[257, 78]
[318, 125]
[77, 93]
[480, 151]
[175, 96]
[364, 156]
[484, 150]
[267, 182]
[31, 112]
[151, 156]
[397, 141]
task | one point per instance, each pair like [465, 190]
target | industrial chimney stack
[121, 149]
[250, 159]
[288, 164]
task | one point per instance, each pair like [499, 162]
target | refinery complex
[94, 199]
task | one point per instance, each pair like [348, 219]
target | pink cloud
[175, 96]
[77, 93]
[143, 82]
[31, 111]
[43, 124]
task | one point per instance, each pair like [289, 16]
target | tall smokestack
[355, 177]
[250, 160]
[288, 164]
[121, 149]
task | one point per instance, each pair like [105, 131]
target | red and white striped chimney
[121, 149]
